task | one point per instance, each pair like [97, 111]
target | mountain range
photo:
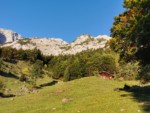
[52, 46]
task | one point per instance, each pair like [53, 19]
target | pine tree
[36, 71]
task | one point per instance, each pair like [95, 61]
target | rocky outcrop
[85, 42]
[53, 46]
[7, 36]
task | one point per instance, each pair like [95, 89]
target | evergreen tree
[36, 71]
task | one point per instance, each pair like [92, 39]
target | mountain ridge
[55, 46]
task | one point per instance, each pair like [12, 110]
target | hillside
[53, 46]
[86, 95]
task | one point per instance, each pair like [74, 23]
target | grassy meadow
[86, 95]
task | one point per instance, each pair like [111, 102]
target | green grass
[87, 95]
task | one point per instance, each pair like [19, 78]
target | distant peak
[103, 36]
[8, 36]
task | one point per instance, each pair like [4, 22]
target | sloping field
[86, 95]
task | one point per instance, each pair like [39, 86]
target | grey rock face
[53, 46]
[7, 36]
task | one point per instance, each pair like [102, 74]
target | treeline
[67, 67]
[87, 63]
[70, 67]
[9, 54]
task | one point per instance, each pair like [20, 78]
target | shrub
[75, 69]
[36, 71]
[59, 68]
[129, 71]
[144, 74]
[24, 41]
[102, 62]
[49, 73]
[66, 75]
[109, 63]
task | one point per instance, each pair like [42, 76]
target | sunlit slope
[86, 95]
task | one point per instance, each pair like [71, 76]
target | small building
[106, 75]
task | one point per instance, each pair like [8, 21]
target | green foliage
[58, 67]
[129, 71]
[109, 63]
[100, 40]
[25, 41]
[8, 54]
[87, 63]
[89, 39]
[75, 69]
[66, 47]
[131, 31]
[36, 71]
[130, 38]
[144, 75]
[102, 62]
[66, 75]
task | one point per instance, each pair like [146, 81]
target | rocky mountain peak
[7, 36]
[82, 38]
[105, 37]
[53, 46]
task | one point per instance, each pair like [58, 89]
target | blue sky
[66, 19]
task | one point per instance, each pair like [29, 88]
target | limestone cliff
[7, 36]
[54, 46]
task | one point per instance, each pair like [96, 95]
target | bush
[144, 74]
[36, 71]
[66, 75]
[109, 63]
[102, 62]
[75, 69]
[129, 71]
[24, 41]
[59, 68]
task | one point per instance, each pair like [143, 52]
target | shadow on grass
[141, 94]
[48, 84]
[6, 96]
[12, 61]
[9, 75]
